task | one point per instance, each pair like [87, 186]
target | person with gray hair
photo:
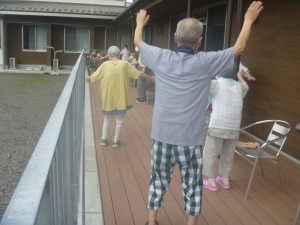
[182, 87]
[113, 51]
[113, 77]
[189, 31]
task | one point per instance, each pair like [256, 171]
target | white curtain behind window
[41, 37]
[83, 39]
[77, 39]
[29, 37]
[70, 38]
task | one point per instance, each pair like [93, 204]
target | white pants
[212, 149]
[119, 123]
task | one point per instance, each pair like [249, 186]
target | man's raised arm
[141, 21]
[250, 17]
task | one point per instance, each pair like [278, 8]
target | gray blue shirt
[181, 91]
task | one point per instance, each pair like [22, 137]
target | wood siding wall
[273, 56]
[55, 34]
[161, 31]
[14, 47]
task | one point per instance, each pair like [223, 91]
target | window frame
[77, 47]
[35, 37]
[110, 30]
[205, 21]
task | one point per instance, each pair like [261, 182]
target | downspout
[189, 9]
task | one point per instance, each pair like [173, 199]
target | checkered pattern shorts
[189, 159]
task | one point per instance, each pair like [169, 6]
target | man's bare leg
[152, 217]
[192, 220]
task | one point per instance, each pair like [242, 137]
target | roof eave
[70, 15]
[133, 9]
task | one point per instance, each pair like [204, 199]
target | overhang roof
[159, 8]
[11, 7]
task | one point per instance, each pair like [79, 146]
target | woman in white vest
[223, 129]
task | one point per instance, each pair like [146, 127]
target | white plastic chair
[276, 139]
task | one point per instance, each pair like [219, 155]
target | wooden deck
[124, 177]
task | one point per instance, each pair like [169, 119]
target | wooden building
[28, 30]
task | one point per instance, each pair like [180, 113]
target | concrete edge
[93, 204]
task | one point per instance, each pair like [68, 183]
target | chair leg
[147, 97]
[262, 169]
[251, 178]
[280, 176]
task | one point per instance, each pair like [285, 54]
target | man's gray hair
[113, 51]
[189, 30]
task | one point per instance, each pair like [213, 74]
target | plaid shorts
[189, 158]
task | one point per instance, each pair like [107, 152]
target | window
[77, 39]
[202, 17]
[34, 37]
[149, 33]
[173, 28]
[128, 3]
[111, 37]
[216, 28]
[213, 20]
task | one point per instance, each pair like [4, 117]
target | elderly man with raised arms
[182, 86]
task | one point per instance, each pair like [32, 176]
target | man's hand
[250, 17]
[142, 18]
[253, 11]
[141, 21]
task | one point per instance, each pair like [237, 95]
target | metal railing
[51, 189]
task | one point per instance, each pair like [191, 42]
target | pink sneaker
[220, 180]
[208, 185]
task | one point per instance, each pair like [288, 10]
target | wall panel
[273, 56]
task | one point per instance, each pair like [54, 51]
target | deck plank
[124, 178]
[107, 205]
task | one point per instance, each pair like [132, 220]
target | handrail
[50, 190]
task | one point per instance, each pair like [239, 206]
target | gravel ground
[26, 103]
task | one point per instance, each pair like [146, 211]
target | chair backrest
[280, 130]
